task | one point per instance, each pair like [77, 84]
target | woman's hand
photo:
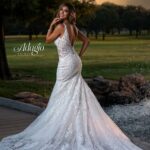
[80, 56]
[55, 21]
[54, 32]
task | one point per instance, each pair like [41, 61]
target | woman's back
[72, 32]
[65, 42]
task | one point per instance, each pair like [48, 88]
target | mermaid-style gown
[73, 118]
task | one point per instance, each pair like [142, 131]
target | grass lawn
[115, 57]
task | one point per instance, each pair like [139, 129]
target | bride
[73, 118]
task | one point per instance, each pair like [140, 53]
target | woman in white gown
[73, 118]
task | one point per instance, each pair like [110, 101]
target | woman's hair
[70, 7]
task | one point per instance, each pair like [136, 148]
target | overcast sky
[145, 3]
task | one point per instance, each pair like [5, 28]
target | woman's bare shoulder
[59, 26]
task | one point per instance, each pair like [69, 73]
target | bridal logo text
[29, 49]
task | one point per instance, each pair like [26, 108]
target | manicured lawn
[112, 58]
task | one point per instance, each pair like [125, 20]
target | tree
[139, 20]
[105, 20]
[85, 12]
[119, 11]
[4, 69]
[133, 18]
[147, 22]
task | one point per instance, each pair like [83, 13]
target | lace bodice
[63, 44]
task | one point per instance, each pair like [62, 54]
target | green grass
[115, 57]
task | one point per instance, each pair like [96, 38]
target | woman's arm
[52, 33]
[85, 42]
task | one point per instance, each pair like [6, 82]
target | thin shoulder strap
[64, 26]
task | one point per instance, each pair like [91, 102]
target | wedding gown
[73, 118]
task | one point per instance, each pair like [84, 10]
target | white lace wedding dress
[73, 118]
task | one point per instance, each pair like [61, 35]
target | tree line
[110, 18]
[33, 18]
[107, 18]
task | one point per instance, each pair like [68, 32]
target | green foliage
[34, 17]
[115, 57]
[85, 12]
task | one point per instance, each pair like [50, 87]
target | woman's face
[64, 12]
